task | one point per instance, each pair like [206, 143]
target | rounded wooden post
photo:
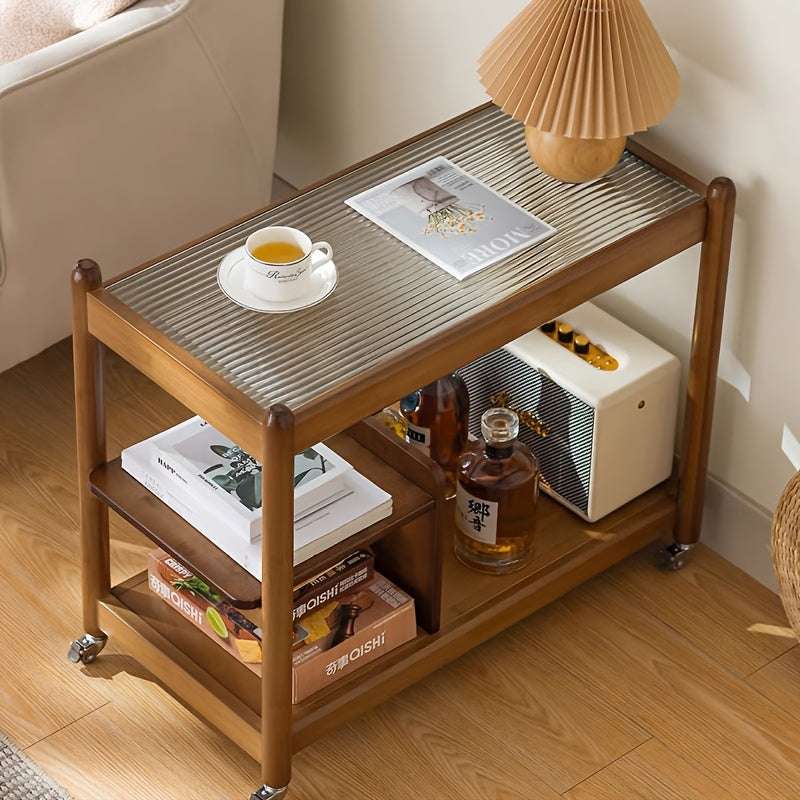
[87, 356]
[706, 337]
[277, 579]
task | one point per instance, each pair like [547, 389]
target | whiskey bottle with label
[496, 497]
[437, 422]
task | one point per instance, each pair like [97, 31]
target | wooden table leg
[701, 389]
[277, 570]
[91, 452]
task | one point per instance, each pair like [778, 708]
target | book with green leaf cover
[351, 509]
[206, 467]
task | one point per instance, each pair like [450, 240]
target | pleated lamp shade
[589, 70]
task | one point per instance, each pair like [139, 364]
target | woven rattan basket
[785, 548]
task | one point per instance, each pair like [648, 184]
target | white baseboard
[739, 531]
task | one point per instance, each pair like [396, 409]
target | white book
[360, 504]
[213, 471]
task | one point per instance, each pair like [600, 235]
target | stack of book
[343, 618]
[216, 487]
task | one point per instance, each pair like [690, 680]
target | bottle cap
[411, 401]
[499, 426]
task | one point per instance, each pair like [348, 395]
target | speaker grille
[565, 453]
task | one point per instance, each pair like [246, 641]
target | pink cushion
[29, 25]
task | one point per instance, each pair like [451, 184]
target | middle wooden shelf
[176, 536]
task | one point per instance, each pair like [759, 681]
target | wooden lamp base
[573, 160]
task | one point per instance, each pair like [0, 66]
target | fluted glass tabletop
[388, 298]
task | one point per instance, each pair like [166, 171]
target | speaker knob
[582, 344]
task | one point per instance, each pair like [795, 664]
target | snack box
[357, 616]
[349, 632]
[342, 577]
[205, 609]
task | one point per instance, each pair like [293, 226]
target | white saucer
[230, 277]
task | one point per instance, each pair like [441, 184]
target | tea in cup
[281, 263]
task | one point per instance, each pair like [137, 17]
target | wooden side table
[276, 384]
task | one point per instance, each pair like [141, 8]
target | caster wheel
[675, 556]
[86, 649]
[268, 793]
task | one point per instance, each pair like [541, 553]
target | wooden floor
[640, 684]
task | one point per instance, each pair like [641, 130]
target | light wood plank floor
[640, 684]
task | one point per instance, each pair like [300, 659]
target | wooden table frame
[275, 432]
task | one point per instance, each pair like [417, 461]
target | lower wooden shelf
[567, 552]
[475, 607]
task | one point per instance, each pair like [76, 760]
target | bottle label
[419, 437]
[475, 517]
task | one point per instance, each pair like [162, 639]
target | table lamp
[582, 75]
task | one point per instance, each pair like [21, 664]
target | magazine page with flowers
[450, 217]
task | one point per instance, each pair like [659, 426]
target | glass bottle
[393, 420]
[437, 422]
[496, 497]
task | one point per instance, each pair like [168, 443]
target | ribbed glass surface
[388, 297]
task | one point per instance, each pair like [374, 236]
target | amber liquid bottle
[496, 497]
[437, 422]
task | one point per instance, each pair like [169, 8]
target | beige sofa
[125, 140]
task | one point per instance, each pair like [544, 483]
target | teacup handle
[321, 247]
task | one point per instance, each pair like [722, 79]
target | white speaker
[605, 417]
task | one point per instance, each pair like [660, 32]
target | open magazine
[451, 218]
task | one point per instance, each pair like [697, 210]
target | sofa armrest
[130, 147]
[133, 21]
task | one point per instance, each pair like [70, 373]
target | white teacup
[281, 263]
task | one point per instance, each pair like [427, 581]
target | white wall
[361, 75]
[736, 116]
